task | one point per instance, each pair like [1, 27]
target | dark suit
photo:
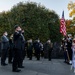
[10, 53]
[17, 60]
[69, 45]
[23, 47]
[47, 51]
[4, 48]
[37, 48]
[49, 48]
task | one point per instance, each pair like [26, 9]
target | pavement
[42, 67]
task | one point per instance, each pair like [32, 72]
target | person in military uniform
[73, 55]
[48, 48]
[18, 57]
[4, 48]
[37, 49]
[64, 48]
[30, 49]
[69, 45]
[45, 50]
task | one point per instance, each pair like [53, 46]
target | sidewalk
[42, 67]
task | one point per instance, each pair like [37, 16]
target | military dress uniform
[30, 50]
[37, 49]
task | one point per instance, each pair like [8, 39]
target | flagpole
[63, 30]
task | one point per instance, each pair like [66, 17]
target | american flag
[63, 25]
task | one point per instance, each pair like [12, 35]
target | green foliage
[36, 20]
[71, 28]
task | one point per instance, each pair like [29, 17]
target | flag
[63, 25]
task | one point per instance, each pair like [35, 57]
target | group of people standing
[16, 48]
[68, 45]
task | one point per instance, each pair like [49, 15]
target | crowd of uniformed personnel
[16, 48]
[68, 46]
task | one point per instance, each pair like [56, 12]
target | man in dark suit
[37, 49]
[18, 57]
[4, 48]
[10, 53]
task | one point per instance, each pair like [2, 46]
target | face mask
[31, 41]
[22, 32]
[38, 40]
[12, 36]
[49, 41]
[63, 39]
[18, 29]
[6, 34]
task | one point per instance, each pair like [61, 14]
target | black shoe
[4, 64]
[16, 70]
[68, 63]
[38, 59]
[49, 59]
[30, 59]
[65, 62]
[21, 67]
[10, 62]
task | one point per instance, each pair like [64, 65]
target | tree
[71, 8]
[68, 25]
[35, 19]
